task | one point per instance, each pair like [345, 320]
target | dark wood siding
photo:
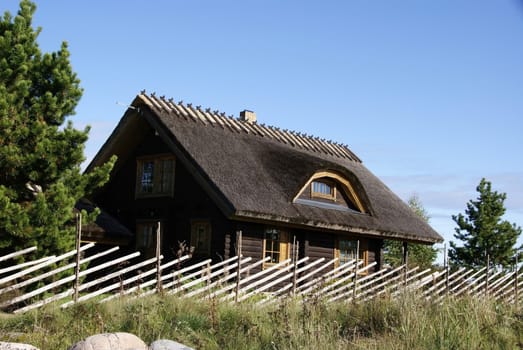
[323, 245]
[252, 242]
[176, 212]
[230, 247]
[320, 245]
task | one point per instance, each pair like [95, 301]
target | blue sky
[428, 93]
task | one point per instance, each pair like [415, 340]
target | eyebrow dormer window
[330, 190]
[323, 189]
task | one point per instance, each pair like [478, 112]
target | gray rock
[165, 344]
[111, 341]
[16, 346]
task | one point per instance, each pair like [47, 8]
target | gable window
[275, 245]
[347, 251]
[201, 237]
[155, 176]
[323, 189]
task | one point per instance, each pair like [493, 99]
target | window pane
[322, 189]
[273, 246]
[167, 175]
[348, 250]
[144, 235]
[147, 177]
[155, 176]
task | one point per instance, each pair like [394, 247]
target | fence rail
[104, 276]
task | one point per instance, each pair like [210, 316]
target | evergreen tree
[421, 255]
[483, 232]
[40, 154]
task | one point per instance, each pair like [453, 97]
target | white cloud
[450, 192]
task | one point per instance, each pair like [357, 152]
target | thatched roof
[253, 171]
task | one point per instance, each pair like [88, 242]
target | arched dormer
[328, 189]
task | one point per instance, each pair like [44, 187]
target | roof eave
[318, 225]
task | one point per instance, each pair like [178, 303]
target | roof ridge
[219, 119]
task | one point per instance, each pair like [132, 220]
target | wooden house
[205, 176]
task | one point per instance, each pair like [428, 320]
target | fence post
[205, 275]
[295, 252]
[158, 253]
[516, 290]
[405, 261]
[239, 255]
[447, 270]
[488, 273]
[77, 267]
[208, 273]
[356, 271]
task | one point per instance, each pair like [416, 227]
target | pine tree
[483, 232]
[40, 154]
[419, 254]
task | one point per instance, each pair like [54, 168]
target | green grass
[408, 322]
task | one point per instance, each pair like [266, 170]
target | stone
[165, 344]
[111, 341]
[16, 346]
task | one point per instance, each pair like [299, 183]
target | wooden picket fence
[30, 285]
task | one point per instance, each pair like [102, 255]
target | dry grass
[408, 322]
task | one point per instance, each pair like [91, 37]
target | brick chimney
[248, 116]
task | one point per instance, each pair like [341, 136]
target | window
[330, 190]
[155, 176]
[146, 237]
[201, 237]
[275, 246]
[323, 189]
[347, 250]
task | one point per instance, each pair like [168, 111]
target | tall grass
[407, 322]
